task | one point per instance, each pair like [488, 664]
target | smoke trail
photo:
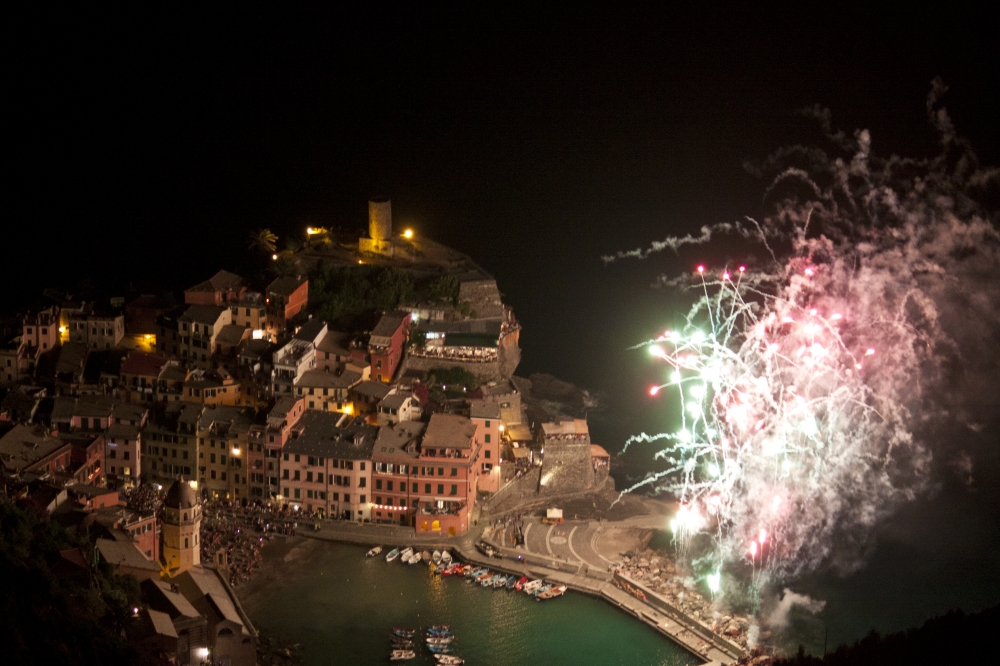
[801, 383]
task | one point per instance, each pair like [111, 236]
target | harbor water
[342, 608]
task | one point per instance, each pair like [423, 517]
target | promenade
[578, 554]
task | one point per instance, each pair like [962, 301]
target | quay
[557, 559]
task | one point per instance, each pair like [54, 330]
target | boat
[488, 582]
[425, 556]
[440, 649]
[393, 554]
[414, 558]
[519, 585]
[500, 582]
[542, 590]
[449, 659]
[532, 587]
[472, 573]
[511, 582]
[440, 640]
[552, 593]
[483, 575]
[374, 551]
[439, 629]
[401, 655]
[446, 557]
[436, 556]
[404, 633]
[401, 644]
[406, 554]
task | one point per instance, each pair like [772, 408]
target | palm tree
[264, 240]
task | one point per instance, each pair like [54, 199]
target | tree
[264, 240]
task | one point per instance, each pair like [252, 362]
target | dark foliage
[51, 620]
[336, 293]
[954, 638]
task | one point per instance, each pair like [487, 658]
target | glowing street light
[408, 234]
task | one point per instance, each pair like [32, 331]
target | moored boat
[440, 640]
[374, 551]
[511, 582]
[449, 659]
[439, 629]
[404, 633]
[405, 555]
[519, 585]
[393, 554]
[552, 593]
[542, 590]
[446, 557]
[436, 556]
[500, 582]
[425, 556]
[402, 655]
[532, 587]
[440, 649]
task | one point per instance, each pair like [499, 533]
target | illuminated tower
[379, 228]
[181, 528]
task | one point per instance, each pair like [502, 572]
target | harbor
[580, 575]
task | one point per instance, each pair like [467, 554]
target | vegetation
[263, 240]
[954, 638]
[51, 620]
[338, 292]
[448, 383]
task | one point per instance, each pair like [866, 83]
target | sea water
[342, 608]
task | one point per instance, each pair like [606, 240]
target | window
[112, 454]
[319, 477]
[284, 474]
[309, 477]
[285, 493]
[222, 458]
[362, 482]
[297, 496]
[440, 471]
[336, 497]
[362, 467]
[224, 476]
[427, 488]
[378, 482]
[362, 499]
[415, 487]
[487, 453]
[440, 489]
[211, 458]
[347, 497]
[296, 457]
[296, 475]
[454, 471]
[487, 436]
[487, 425]
[125, 455]
[213, 473]
[454, 489]
[378, 499]
[388, 485]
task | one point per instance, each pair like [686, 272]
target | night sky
[146, 146]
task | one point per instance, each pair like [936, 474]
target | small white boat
[400, 655]
[425, 556]
[449, 659]
[393, 554]
[436, 557]
[413, 559]
[446, 558]
[374, 551]
[405, 554]
[532, 587]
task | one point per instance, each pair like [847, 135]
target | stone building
[181, 528]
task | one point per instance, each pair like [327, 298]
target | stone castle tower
[181, 528]
[379, 228]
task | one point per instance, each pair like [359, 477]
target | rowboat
[374, 551]
[449, 659]
[393, 554]
[446, 557]
[436, 556]
[511, 582]
[406, 555]
[401, 655]
[440, 640]
[439, 629]
[552, 593]
[404, 633]
[532, 587]
[519, 585]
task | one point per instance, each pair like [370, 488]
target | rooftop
[322, 379]
[142, 363]
[449, 431]
[202, 314]
[321, 436]
[392, 439]
[221, 281]
[285, 286]
[575, 427]
[481, 409]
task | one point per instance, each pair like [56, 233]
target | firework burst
[799, 382]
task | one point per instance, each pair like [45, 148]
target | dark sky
[146, 145]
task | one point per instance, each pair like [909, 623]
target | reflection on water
[343, 607]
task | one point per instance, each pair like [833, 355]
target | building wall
[122, 460]
[344, 490]
[488, 464]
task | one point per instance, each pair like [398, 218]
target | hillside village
[240, 395]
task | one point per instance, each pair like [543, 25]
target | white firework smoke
[800, 382]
